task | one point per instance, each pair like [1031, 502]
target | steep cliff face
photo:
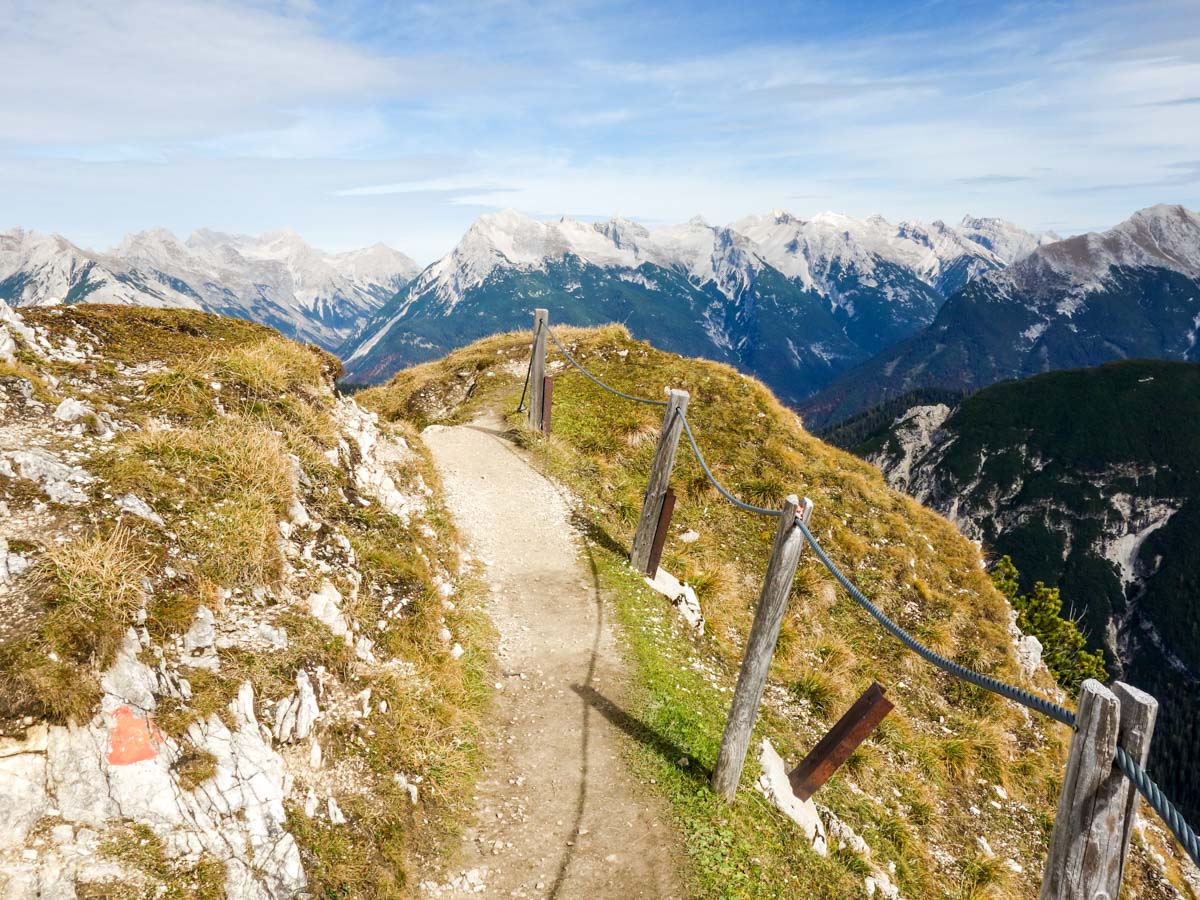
[1090, 480]
[231, 656]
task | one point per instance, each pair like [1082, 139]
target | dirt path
[558, 813]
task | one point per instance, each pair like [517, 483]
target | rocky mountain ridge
[1130, 292]
[275, 279]
[795, 301]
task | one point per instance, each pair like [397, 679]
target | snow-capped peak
[1008, 242]
[728, 256]
[276, 277]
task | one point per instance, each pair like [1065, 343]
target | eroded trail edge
[558, 813]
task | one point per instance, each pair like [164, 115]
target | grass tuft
[89, 590]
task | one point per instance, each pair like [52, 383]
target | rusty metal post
[660, 533]
[842, 740]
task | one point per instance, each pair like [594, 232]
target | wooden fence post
[660, 477]
[1138, 713]
[1097, 806]
[768, 618]
[537, 370]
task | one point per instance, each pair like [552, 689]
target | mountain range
[1132, 291]
[793, 301]
[276, 279]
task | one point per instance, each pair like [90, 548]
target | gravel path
[558, 814]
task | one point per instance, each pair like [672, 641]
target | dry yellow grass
[915, 784]
[90, 590]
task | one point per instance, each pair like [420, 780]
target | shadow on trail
[595, 534]
[638, 730]
[500, 431]
[585, 729]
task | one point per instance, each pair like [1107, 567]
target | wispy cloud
[990, 180]
[411, 119]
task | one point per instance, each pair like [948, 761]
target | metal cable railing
[712, 478]
[1016, 694]
[1145, 786]
[1158, 801]
[593, 378]
[1138, 776]
[528, 371]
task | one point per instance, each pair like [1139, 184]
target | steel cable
[1016, 694]
[529, 368]
[720, 487]
[593, 378]
[1160, 804]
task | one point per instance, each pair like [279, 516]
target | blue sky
[362, 121]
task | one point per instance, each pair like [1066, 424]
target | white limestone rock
[371, 477]
[59, 480]
[682, 597]
[326, 606]
[129, 681]
[774, 785]
[277, 637]
[307, 711]
[23, 798]
[202, 636]
[1029, 654]
[72, 410]
[135, 505]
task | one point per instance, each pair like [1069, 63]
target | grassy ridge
[922, 789]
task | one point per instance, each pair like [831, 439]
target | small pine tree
[1040, 613]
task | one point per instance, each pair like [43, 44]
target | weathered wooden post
[768, 619]
[537, 370]
[1098, 804]
[660, 477]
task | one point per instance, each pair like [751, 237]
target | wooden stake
[537, 370]
[660, 477]
[1138, 714]
[1096, 809]
[660, 533]
[764, 633]
[547, 394]
[843, 738]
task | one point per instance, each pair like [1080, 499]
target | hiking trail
[558, 814]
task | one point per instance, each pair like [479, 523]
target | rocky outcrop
[120, 767]
[219, 783]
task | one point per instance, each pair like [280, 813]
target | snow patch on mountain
[1163, 236]
[276, 278]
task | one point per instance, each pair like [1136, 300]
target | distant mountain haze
[276, 279]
